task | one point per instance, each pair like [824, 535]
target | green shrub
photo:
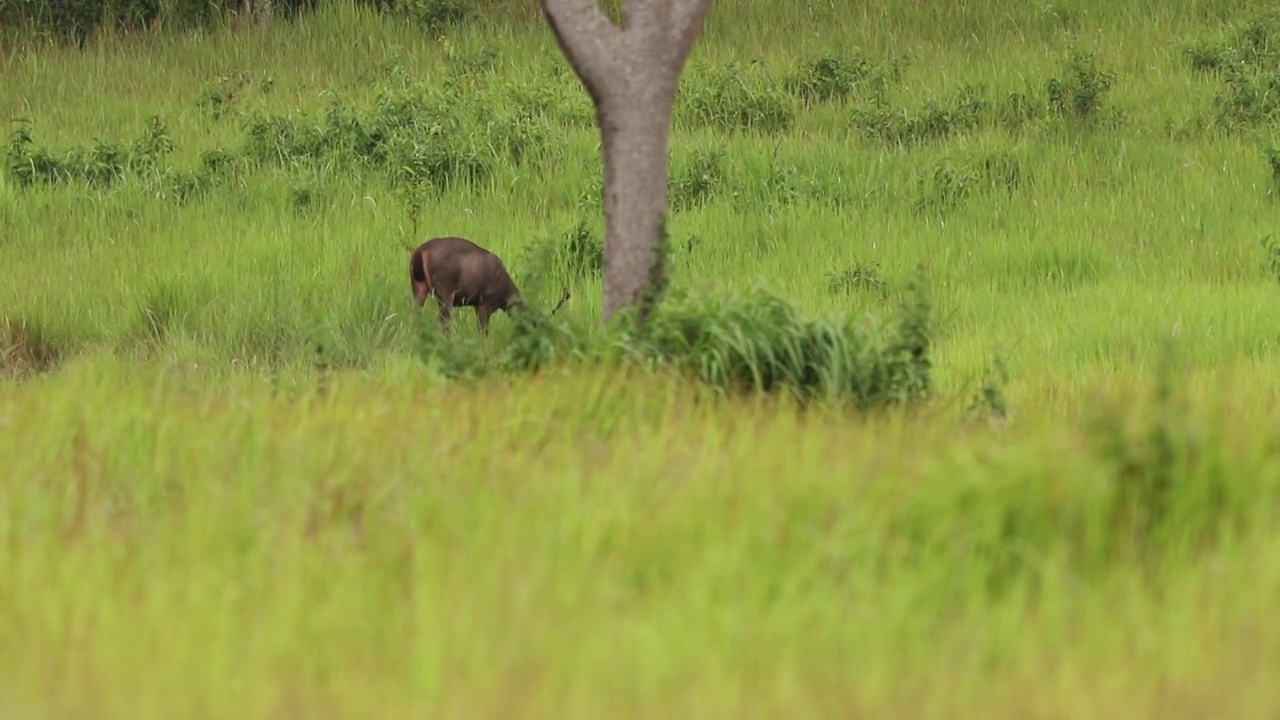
[696, 181]
[1247, 62]
[948, 183]
[1081, 91]
[833, 77]
[102, 164]
[733, 98]
[965, 110]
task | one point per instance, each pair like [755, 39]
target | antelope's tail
[418, 266]
[563, 299]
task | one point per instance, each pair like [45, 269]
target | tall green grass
[243, 478]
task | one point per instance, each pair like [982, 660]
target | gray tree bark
[259, 9]
[631, 73]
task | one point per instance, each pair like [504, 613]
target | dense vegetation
[959, 402]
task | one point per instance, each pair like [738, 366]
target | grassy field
[242, 479]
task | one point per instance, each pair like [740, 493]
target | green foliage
[1272, 154]
[695, 182]
[1077, 95]
[756, 345]
[581, 252]
[1081, 91]
[733, 98]
[417, 134]
[858, 277]
[103, 164]
[1154, 503]
[949, 183]
[76, 20]
[1271, 247]
[1247, 62]
[932, 121]
[990, 401]
[221, 95]
[833, 77]
[761, 344]
[574, 254]
[215, 169]
[433, 14]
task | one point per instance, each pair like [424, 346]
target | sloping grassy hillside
[242, 479]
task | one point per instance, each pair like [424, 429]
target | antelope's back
[460, 264]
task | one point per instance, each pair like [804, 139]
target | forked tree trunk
[631, 74]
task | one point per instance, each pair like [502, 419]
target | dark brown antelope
[460, 273]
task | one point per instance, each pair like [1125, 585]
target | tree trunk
[635, 198]
[631, 74]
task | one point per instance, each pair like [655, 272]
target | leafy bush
[762, 345]
[1247, 62]
[744, 346]
[1080, 93]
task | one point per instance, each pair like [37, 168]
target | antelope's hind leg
[483, 312]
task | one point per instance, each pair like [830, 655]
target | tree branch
[589, 40]
[687, 18]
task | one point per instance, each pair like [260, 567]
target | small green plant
[580, 251]
[1151, 504]
[1247, 63]
[948, 183]
[858, 277]
[304, 198]
[1081, 91]
[966, 110]
[833, 77]
[1272, 154]
[1271, 247]
[218, 97]
[216, 168]
[989, 401]
[762, 345]
[697, 181]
